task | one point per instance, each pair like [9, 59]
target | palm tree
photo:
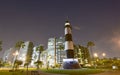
[19, 44]
[90, 44]
[40, 48]
[26, 65]
[61, 47]
[46, 57]
[18, 63]
[29, 52]
[29, 55]
[0, 46]
[1, 62]
[38, 63]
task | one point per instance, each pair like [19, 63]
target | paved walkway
[42, 73]
[115, 72]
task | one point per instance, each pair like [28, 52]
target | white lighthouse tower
[69, 62]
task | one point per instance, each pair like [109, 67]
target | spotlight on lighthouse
[70, 62]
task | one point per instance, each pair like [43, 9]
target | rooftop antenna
[67, 19]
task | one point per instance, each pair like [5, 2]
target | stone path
[114, 72]
[42, 73]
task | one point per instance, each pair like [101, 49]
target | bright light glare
[103, 54]
[70, 60]
[95, 55]
[16, 53]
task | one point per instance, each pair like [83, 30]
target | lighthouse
[70, 62]
[68, 41]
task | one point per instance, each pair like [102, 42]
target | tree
[38, 63]
[90, 44]
[0, 45]
[18, 63]
[1, 62]
[19, 44]
[46, 57]
[108, 63]
[29, 55]
[29, 52]
[83, 54]
[61, 47]
[26, 65]
[40, 48]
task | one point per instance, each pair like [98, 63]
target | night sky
[38, 20]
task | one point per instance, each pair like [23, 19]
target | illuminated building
[8, 55]
[25, 53]
[34, 57]
[55, 54]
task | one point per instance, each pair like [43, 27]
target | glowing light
[103, 54]
[16, 53]
[67, 23]
[95, 55]
[70, 60]
[23, 59]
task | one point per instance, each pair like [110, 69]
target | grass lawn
[56, 71]
[6, 72]
[74, 71]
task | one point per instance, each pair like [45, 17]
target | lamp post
[103, 54]
[95, 59]
[95, 55]
[15, 54]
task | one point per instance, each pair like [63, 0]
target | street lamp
[103, 54]
[95, 55]
[15, 54]
[95, 59]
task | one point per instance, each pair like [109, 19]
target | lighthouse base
[71, 64]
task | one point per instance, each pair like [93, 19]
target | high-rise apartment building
[55, 51]
[8, 55]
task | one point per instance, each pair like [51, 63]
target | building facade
[53, 55]
[23, 52]
[55, 51]
[8, 55]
